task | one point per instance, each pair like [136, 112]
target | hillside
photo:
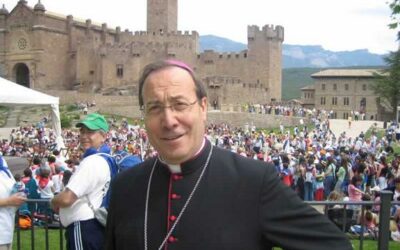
[294, 79]
[300, 56]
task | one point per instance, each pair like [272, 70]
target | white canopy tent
[13, 93]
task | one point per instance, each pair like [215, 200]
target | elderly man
[86, 188]
[196, 196]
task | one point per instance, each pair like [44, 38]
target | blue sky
[337, 25]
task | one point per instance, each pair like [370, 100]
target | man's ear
[203, 106]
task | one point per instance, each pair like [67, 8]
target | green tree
[395, 7]
[65, 121]
[387, 86]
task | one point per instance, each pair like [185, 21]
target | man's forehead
[170, 74]
[171, 79]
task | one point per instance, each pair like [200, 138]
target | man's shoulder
[129, 174]
[93, 158]
[89, 162]
[238, 162]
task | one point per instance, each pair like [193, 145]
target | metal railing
[39, 219]
[383, 229]
[385, 204]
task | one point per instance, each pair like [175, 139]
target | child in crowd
[57, 180]
[52, 164]
[35, 166]
[319, 183]
[335, 196]
[19, 186]
[71, 165]
[355, 194]
[46, 187]
[32, 189]
[67, 175]
[370, 223]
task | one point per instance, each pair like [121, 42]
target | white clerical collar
[176, 168]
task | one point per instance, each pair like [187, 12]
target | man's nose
[169, 118]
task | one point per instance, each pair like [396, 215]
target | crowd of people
[309, 159]
[312, 161]
[320, 165]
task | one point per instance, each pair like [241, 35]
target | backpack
[117, 163]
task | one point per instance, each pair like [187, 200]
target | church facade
[44, 50]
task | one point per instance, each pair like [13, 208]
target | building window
[363, 104]
[335, 86]
[364, 87]
[323, 86]
[346, 101]
[346, 86]
[345, 115]
[323, 100]
[120, 70]
[334, 100]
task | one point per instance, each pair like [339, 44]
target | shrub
[65, 121]
[71, 107]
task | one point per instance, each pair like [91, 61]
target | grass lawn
[54, 241]
[373, 244]
[369, 245]
[40, 236]
[4, 112]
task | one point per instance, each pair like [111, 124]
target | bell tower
[162, 16]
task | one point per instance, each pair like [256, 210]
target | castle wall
[67, 53]
[73, 96]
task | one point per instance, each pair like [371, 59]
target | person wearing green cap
[86, 188]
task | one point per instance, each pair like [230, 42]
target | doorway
[22, 74]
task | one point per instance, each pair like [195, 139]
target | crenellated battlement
[267, 31]
[178, 33]
[212, 55]
[91, 56]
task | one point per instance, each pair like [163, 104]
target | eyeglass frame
[171, 106]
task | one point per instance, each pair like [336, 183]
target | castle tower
[265, 55]
[162, 15]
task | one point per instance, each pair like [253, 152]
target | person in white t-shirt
[8, 205]
[86, 188]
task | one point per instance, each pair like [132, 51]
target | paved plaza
[338, 126]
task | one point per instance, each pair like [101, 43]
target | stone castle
[48, 51]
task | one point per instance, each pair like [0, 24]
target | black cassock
[240, 203]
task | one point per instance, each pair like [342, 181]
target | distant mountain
[299, 56]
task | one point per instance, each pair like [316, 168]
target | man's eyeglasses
[158, 108]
